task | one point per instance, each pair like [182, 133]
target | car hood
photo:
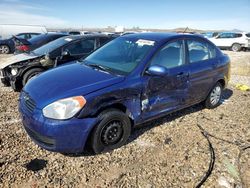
[67, 81]
[17, 58]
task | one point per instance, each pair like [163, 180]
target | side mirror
[157, 70]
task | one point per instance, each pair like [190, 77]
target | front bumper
[68, 136]
[4, 79]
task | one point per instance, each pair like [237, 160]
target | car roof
[157, 36]
[75, 37]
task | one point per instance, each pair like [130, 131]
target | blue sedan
[129, 81]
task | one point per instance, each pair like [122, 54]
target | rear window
[52, 45]
[248, 35]
[198, 51]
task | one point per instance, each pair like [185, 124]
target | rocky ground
[171, 152]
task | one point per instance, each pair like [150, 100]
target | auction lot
[169, 152]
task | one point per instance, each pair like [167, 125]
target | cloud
[17, 12]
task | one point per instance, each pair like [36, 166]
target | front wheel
[214, 97]
[31, 73]
[112, 132]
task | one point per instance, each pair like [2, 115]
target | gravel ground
[169, 152]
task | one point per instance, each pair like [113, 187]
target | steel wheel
[111, 133]
[4, 49]
[215, 95]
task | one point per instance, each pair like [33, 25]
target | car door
[166, 93]
[78, 49]
[224, 40]
[202, 62]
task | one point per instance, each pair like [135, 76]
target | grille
[29, 103]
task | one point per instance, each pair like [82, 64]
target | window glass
[22, 36]
[170, 56]
[34, 35]
[248, 35]
[104, 40]
[198, 51]
[81, 47]
[121, 55]
[237, 35]
[226, 35]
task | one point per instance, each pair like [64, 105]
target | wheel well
[222, 82]
[117, 106]
[120, 107]
[26, 70]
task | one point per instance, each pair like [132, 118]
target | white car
[235, 41]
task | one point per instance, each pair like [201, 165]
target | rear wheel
[236, 47]
[214, 97]
[112, 131]
[4, 49]
[31, 73]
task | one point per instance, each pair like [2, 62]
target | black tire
[214, 98]
[31, 73]
[112, 131]
[236, 47]
[4, 49]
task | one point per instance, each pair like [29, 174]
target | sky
[157, 14]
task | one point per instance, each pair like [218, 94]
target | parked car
[17, 70]
[23, 45]
[235, 41]
[129, 81]
[8, 45]
[8, 30]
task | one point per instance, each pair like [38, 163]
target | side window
[21, 36]
[81, 47]
[33, 35]
[198, 51]
[226, 35]
[170, 56]
[237, 35]
[104, 40]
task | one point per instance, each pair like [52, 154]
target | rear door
[168, 92]
[202, 61]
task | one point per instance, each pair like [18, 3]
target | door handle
[182, 75]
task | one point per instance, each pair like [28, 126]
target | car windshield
[47, 48]
[120, 56]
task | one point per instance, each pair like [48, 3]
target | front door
[78, 49]
[165, 93]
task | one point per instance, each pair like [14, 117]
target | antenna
[185, 30]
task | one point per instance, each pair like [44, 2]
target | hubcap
[215, 95]
[235, 48]
[112, 133]
[4, 49]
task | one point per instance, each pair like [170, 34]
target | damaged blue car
[129, 81]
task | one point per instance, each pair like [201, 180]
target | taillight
[23, 48]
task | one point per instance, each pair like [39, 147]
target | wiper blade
[96, 66]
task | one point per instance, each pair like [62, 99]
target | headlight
[14, 71]
[64, 108]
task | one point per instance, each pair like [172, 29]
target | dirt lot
[170, 152]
